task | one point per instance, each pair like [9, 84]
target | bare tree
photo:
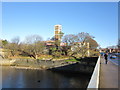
[69, 41]
[79, 44]
[34, 46]
[15, 40]
[13, 46]
[92, 43]
[33, 39]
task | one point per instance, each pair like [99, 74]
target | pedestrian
[106, 58]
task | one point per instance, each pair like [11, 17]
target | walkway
[108, 75]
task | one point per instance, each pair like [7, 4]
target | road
[116, 61]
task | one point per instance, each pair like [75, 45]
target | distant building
[52, 43]
[58, 32]
[110, 50]
[57, 36]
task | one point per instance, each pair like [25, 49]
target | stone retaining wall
[85, 65]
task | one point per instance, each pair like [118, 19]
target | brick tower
[57, 32]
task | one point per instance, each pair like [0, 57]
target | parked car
[118, 54]
[113, 56]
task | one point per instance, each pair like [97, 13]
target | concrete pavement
[109, 75]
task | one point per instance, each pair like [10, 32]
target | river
[27, 78]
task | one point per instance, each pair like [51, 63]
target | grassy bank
[72, 60]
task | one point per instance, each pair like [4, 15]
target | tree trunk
[36, 57]
[12, 53]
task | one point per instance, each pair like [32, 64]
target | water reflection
[16, 78]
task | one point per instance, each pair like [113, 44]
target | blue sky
[99, 19]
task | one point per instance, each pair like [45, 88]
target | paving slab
[109, 75]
